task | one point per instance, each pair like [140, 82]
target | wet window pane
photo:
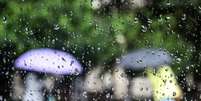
[100, 50]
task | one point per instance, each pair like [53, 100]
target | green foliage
[73, 26]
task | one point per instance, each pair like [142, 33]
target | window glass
[100, 50]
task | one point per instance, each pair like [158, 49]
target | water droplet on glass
[117, 60]
[4, 19]
[178, 60]
[183, 17]
[56, 27]
[71, 63]
[174, 93]
[144, 28]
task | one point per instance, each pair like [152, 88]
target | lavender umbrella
[48, 60]
[145, 58]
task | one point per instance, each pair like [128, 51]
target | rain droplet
[183, 17]
[144, 28]
[71, 63]
[168, 18]
[84, 94]
[4, 19]
[163, 94]
[174, 93]
[139, 61]
[168, 3]
[108, 95]
[63, 59]
[76, 71]
[178, 60]
[117, 60]
[56, 27]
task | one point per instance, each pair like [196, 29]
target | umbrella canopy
[48, 60]
[145, 58]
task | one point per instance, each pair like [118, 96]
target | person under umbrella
[46, 61]
[141, 60]
[164, 84]
[98, 84]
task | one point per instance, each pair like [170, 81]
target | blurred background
[98, 33]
